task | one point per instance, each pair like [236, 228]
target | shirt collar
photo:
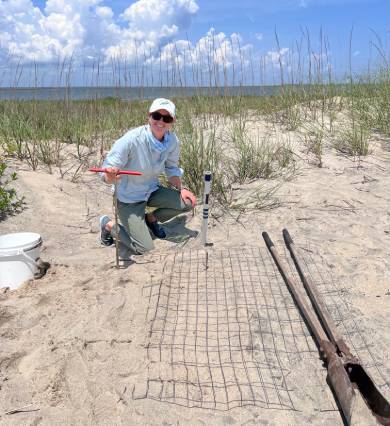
[155, 143]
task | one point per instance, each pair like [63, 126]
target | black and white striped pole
[207, 186]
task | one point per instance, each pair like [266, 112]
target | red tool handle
[120, 172]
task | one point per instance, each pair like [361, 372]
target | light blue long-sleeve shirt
[140, 151]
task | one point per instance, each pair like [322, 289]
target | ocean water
[129, 93]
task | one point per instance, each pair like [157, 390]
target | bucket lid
[11, 244]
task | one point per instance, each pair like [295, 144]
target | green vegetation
[9, 202]
[218, 133]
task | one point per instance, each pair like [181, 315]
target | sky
[189, 42]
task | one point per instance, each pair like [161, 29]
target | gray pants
[134, 234]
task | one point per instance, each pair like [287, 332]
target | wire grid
[225, 332]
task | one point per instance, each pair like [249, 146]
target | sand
[74, 343]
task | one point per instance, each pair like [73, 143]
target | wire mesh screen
[224, 331]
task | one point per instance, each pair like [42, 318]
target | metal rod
[115, 203]
[353, 387]
[319, 306]
[119, 172]
[309, 315]
[336, 371]
[207, 186]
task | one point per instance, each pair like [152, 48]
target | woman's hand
[188, 195]
[110, 175]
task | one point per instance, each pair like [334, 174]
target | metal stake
[360, 400]
[115, 204]
[207, 186]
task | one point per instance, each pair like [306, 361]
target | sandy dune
[76, 345]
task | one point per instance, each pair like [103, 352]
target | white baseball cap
[162, 103]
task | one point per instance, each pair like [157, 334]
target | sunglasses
[157, 116]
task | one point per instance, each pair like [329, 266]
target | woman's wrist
[178, 188]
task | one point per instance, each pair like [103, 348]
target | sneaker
[105, 236]
[156, 229]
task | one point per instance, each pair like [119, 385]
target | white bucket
[18, 255]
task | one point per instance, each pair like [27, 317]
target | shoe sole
[102, 241]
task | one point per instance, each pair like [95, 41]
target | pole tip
[267, 239]
[287, 237]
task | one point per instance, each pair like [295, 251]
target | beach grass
[216, 130]
[37, 131]
[10, 203]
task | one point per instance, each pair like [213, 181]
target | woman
[151, 149]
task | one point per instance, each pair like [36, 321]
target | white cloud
[259, 36]
[146, 36]
[212, 59]
[149, 14]
[29, 34]
[277, 57]
[87, 28]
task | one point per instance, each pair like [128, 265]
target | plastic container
[19, 253]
